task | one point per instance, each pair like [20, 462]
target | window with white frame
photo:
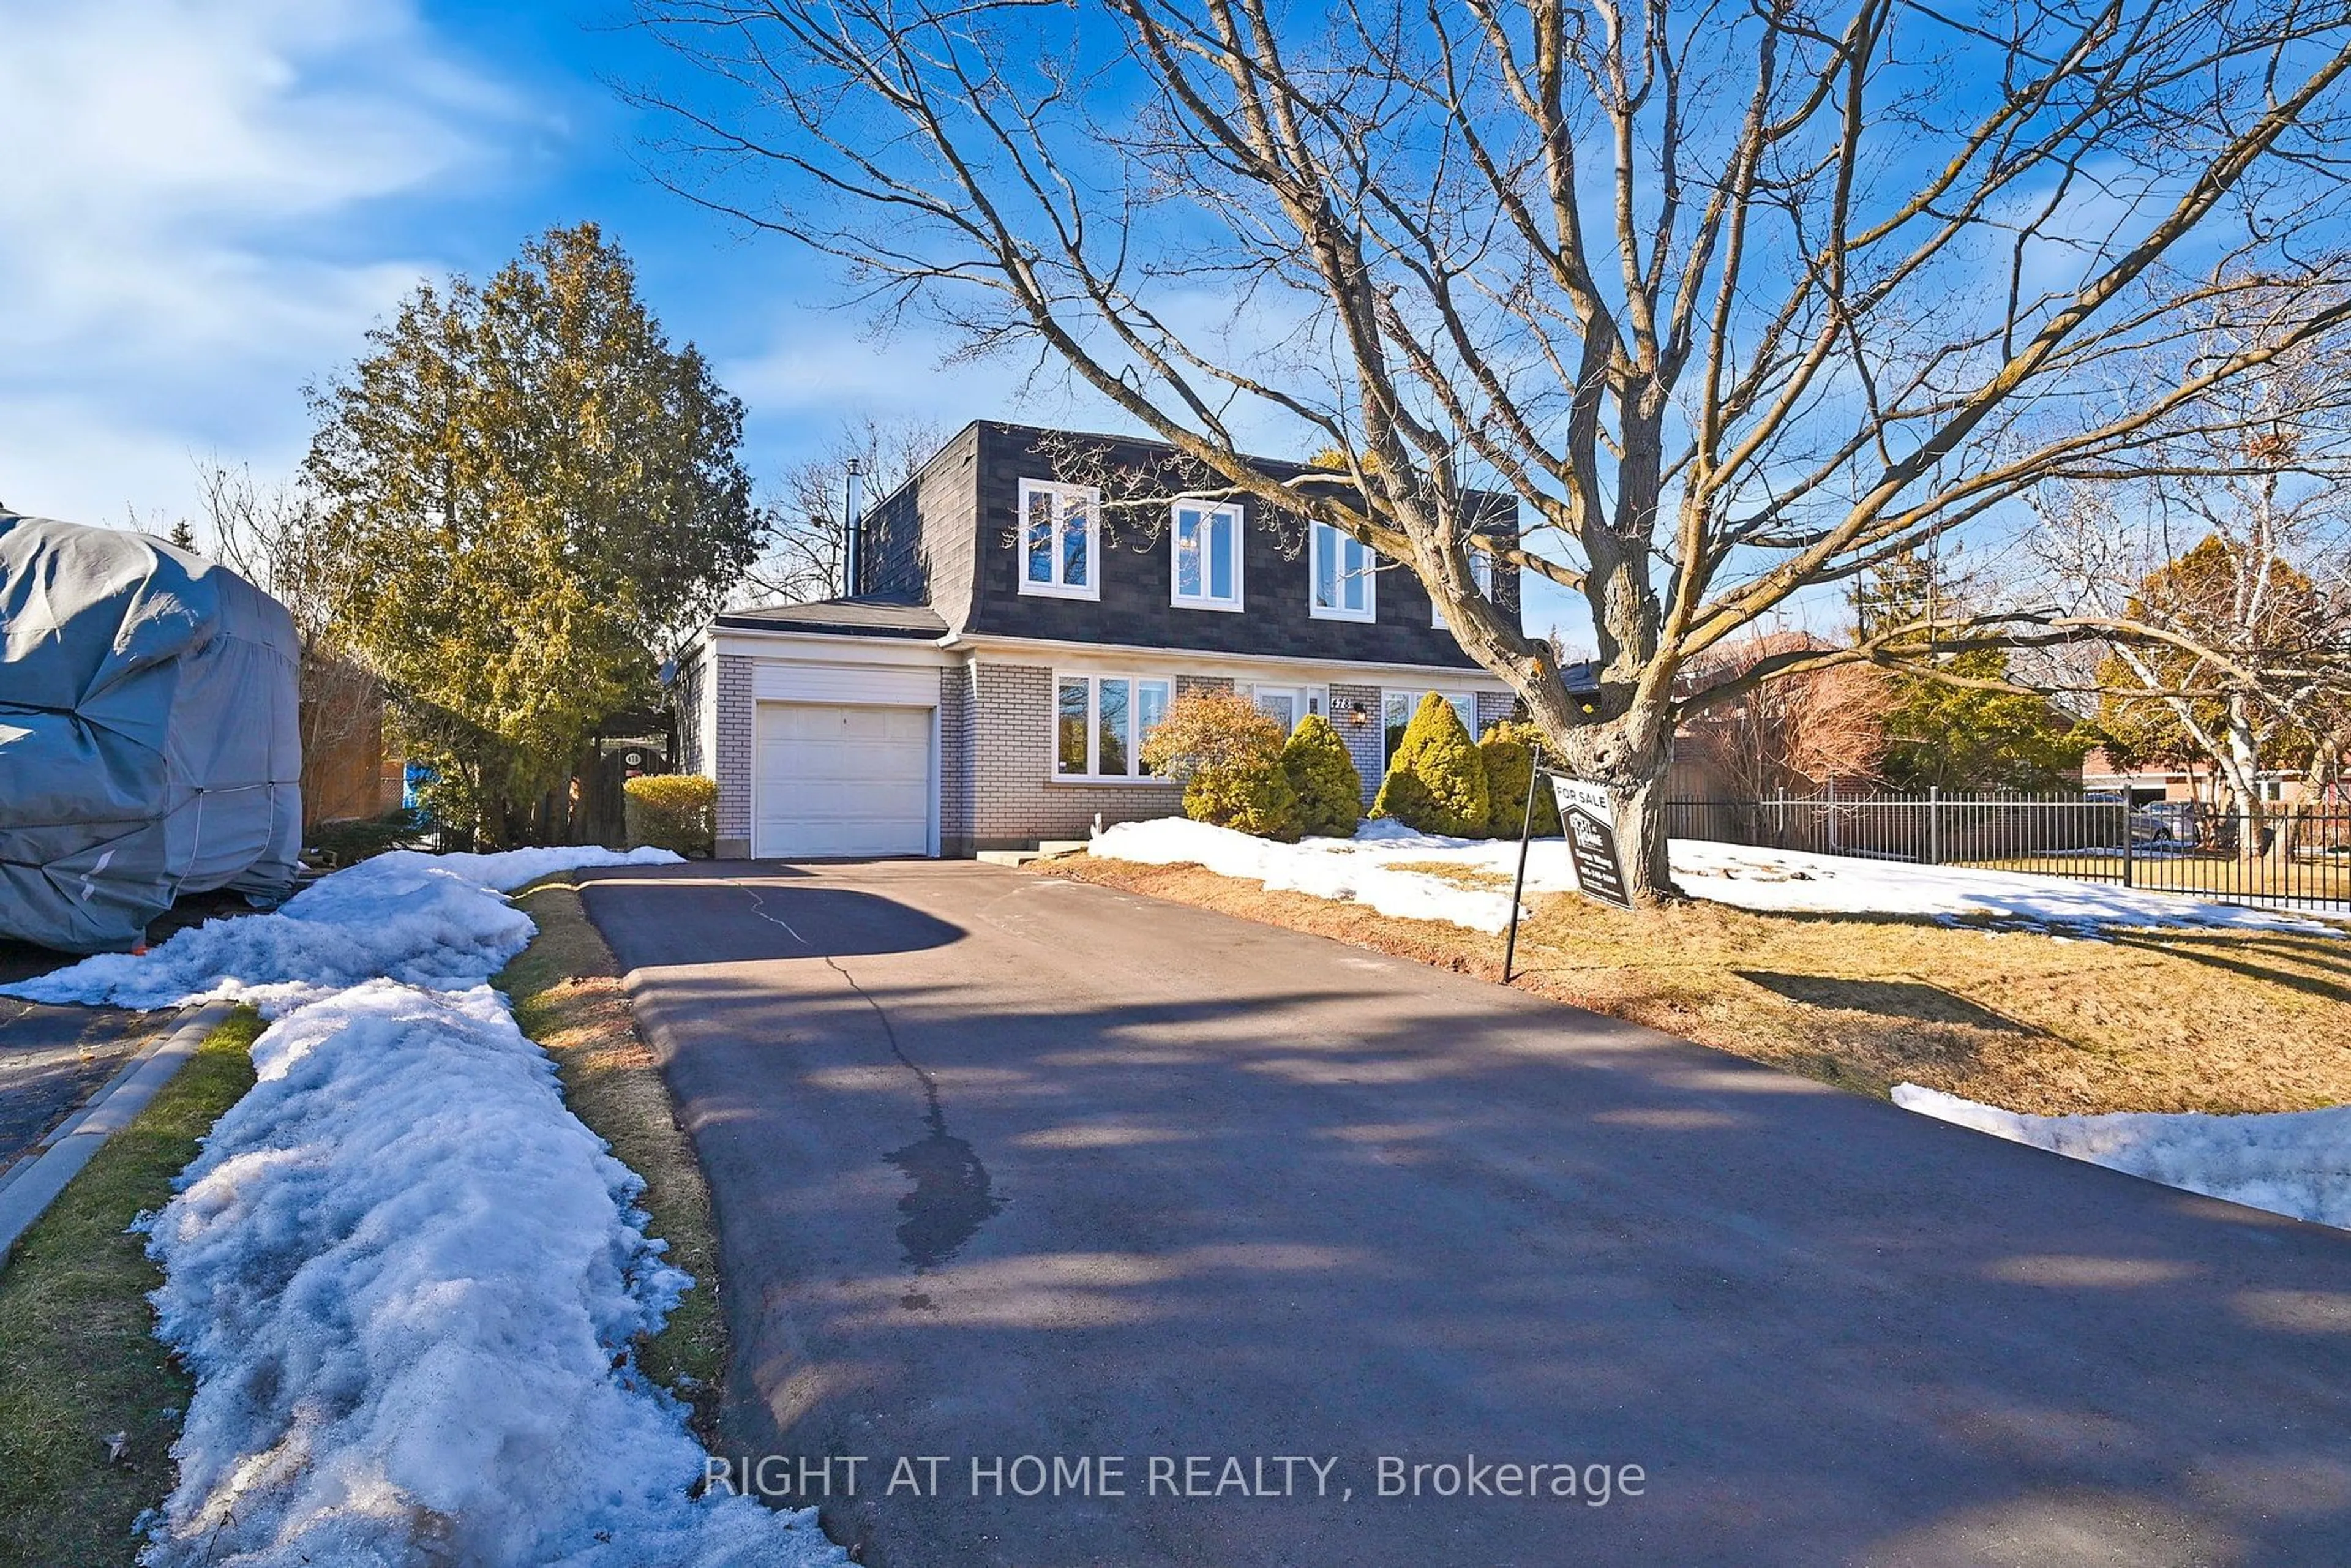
[1287, 705]
[1061, 530]
[1341, 575]
[1099, 722]
[1482, 572]
[1207, 574]
[1397, 707]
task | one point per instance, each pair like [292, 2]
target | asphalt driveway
[1010, 1166]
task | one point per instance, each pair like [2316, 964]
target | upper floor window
[1482, 572]
[1208, 540]
[1341, 576]
[1060, 528]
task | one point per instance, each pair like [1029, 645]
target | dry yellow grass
[2151, 1020]
[568, 997]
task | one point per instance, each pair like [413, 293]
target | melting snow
[435, 921]
[1362, 870]
[405, 1275]
[2293, 1161]
[401, 1272]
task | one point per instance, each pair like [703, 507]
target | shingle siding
[917, 543]
[1135, 571]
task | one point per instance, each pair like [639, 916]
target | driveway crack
[952, 1196]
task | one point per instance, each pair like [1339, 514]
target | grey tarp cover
[148, 740]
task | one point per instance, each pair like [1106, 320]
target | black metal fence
[2293, 859]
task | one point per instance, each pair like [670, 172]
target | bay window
[1099, 722]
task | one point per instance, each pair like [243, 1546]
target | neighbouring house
[2153, 782]
[988, 683]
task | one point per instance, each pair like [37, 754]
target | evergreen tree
[1435, 782]
[1961, 738]
[1322, 776]
[535, 496]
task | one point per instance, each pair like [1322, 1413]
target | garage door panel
[843, 780]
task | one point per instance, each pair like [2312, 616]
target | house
[1011, 639]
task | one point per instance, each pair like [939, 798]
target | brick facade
[732, 747]
[1015, 801]
[996, 753]
[958, 709]
[1364, 741]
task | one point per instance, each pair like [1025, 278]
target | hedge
[674, 811]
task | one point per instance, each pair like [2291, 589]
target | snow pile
[401, 1272]
[1784, 880]
[1362, 870]
[435, 921]
[2293, 1161]
[1322, 868]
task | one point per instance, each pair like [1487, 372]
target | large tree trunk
[2241, 765]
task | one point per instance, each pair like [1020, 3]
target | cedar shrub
[1435, 781]
[1330, 792]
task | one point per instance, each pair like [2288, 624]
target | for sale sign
[1588, 816]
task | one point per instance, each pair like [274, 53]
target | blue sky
[207, 205]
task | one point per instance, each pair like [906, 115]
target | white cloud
[175, 203]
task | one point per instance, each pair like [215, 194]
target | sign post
[1526, 832]
[1588, 816]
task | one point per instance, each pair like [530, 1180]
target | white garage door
[841, 780]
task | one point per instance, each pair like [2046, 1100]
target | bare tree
[1736, 300]
[274, 536]
[2229, 543]
[1794, 733]
[805, 550]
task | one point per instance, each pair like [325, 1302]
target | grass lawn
[566, 996]
[78, 1362]
[2311, 876]
[2150, 1021]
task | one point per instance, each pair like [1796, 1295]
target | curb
[32, 1186]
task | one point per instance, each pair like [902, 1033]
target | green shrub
[1507, 752]
[1250, 797]
[1435, 783]
[674, 811]
[1322, 776]
[1226, 753]
[352, 840]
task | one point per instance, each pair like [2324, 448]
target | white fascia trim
[1271, 669]
[832, 647]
